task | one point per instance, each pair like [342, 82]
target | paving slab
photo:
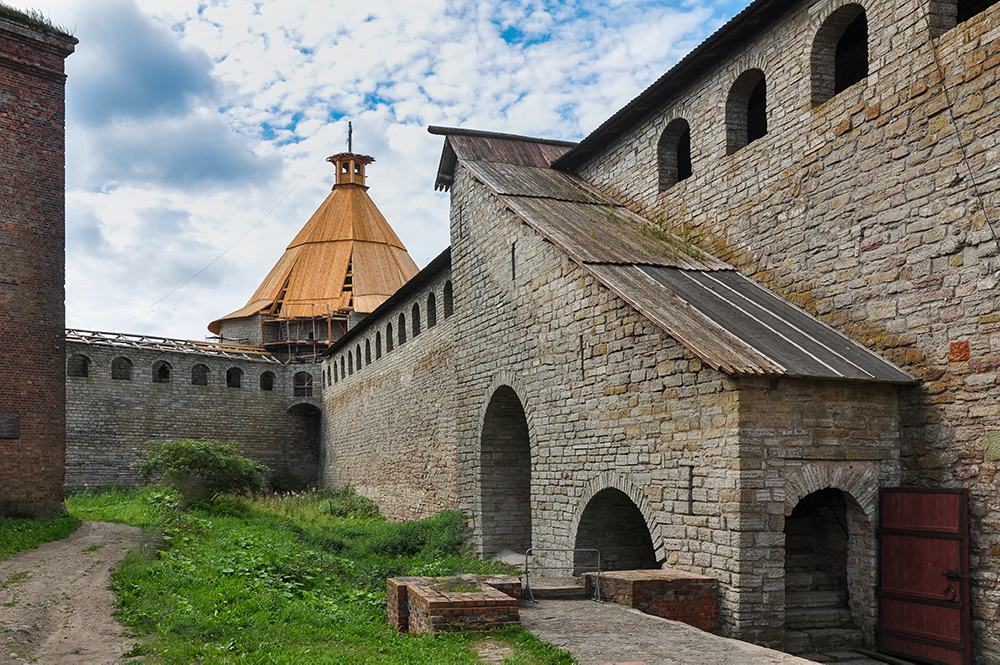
[602, 633]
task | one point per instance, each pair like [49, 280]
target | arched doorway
[613, 524]
[505, 478]
[820, 536]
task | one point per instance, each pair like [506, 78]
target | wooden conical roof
[347, 232]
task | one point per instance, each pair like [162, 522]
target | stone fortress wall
[389, 403]
[32, 265]
[866, 209]
[119, 398]
[614, 411]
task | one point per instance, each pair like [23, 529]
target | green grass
[17, 535]
[292, 579]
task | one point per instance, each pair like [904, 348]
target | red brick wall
[672, 594]
[32, 267]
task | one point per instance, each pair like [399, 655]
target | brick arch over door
[612, 480]
[859, 480]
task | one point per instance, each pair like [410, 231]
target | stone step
[833, 599]
[557, 588]
[809, 618]
[822, 640]
[810, 581]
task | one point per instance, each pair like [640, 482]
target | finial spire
[350, 136]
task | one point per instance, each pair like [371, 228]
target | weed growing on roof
[284, 580]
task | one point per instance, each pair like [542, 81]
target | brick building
[716, 332]
[32, 250]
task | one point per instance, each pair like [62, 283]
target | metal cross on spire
[350, 135]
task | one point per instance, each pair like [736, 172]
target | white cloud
[189, 120]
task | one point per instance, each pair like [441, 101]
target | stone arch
[859, 480]
[819, 489]
[505, 465]
[161, 371]
[840, 53]
[612, 480]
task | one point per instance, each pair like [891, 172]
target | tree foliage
[201, 468]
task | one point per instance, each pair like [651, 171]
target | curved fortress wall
[389, 410]
[127, 396]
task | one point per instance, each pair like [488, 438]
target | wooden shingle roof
[347, 235]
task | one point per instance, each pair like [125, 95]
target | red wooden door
[924, 575]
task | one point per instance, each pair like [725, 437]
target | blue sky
[190, 121]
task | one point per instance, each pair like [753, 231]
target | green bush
[201, 468]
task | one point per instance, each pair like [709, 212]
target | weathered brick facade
[32, 251]
[110, 418]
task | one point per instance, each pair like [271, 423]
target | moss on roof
[34, 18]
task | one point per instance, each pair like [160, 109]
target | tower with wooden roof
[345, 262]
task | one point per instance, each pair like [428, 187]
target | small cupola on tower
[350, 167]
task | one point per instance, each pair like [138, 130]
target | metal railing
[586, 569]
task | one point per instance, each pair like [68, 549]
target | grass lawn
[292, 579]
[17, 535]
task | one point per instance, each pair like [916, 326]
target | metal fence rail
[586, 569]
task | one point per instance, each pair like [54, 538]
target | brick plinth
[672, 594]
[424, 605]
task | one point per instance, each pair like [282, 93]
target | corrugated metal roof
[729, 321]
[346, 230]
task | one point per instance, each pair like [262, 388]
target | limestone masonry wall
[865, 211]
[32, 272]
[388, 414]
[109, 420]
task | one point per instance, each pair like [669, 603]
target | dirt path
[598, 633]
[55, 605]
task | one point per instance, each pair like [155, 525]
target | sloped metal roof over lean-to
[729, 321]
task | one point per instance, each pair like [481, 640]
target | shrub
[201, 468]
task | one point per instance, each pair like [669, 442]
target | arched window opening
[613, 524]
[357, 356]
[302, 384]
[378, 345]
[199, 375]
[234, 377]
[78, 365]
[388, 337]
[342, 374]
[839, 56]
[121, 369]
[449, 300]
[335, 377]
[674, 154]
[161, 371]
[368, 352]
[402, 329]
[746, 110]
[416, 319]
[432, 315]
[267, 381]
[350, 364]
[966, 9]
[505, 475]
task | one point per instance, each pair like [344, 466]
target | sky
[197, 130]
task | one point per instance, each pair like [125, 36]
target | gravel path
[55, 605]
[599, 633]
